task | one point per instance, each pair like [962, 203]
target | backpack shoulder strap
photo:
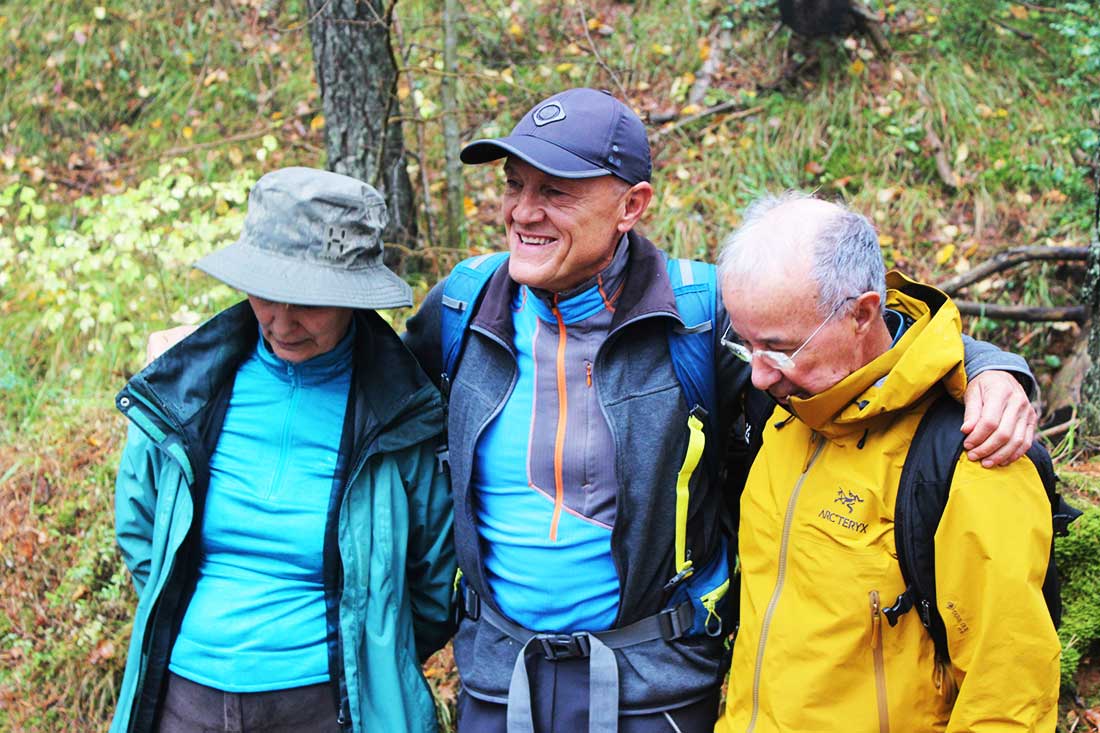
[461, 292]
[695, 287]
[922, 497]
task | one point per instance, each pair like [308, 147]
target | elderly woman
[279, 500]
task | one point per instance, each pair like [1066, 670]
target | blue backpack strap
[695, 286]
[461, 291]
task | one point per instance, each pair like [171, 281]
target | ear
[635, 202]
[866, 311]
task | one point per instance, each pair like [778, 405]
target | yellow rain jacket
[814, 652]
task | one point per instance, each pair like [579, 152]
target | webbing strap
[603, 689]
[696, 443]
[603, 702]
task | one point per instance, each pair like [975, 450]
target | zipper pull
[588, 373]
[876, 620]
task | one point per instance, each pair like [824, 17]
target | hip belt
[603, 671]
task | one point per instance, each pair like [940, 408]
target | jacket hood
[396, 404]
[930, 352]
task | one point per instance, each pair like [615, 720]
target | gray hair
[847, 258]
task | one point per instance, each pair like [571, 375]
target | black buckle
[901, 606]
[471, 603]
[672, 627]
[564, 646]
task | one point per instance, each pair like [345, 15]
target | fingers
[999, 421]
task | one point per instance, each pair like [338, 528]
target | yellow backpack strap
[696, 443]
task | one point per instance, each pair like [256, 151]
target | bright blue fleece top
[257, 619]
[544, 469]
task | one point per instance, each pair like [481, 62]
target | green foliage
[1078, 557]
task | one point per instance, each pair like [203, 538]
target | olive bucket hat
[311, 237]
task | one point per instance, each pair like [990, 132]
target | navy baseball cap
[578, 133]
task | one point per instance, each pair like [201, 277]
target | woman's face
[300, 332]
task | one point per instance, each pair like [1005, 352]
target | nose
[526, 208]
[763, 374]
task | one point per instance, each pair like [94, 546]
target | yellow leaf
[887, 240]
[506, 75]
[516, 31]
[564, 67]
[857, 67]
[690, 109]
[1002, 112]
[1018, 11]
[593, 24]
[944, 254]
[236, 157]
[221, 207]
[155, 124]
[317, 123]
[704, 49]
[962, 154]
[469, 207]
[661, 49]
[403, 92]
[188, 132]
[745, 142]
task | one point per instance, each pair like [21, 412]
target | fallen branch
[939, 155]
[1027, 313]
[1059, 429]
[1022, 34]
[716, 109]
[1010, 258]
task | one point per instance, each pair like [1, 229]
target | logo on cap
[547, 113]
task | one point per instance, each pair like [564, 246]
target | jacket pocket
[879, 664]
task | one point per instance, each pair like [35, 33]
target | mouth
[533, 241]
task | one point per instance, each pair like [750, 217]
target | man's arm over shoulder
[992, 549]
[999, 422]
[423, 333]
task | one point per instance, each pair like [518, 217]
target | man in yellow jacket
[854, 366]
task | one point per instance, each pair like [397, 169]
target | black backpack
[922, 496]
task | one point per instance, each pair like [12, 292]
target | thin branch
[1029, 314]
[1010, 258]
[716, 109]
[599, 59]
[1059, 429]
[1022, 34]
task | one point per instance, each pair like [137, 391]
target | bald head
[795, 237]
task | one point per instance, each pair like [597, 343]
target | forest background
[132, 131]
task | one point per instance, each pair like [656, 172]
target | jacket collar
[395, 402]
[646, 291]
[930, 352]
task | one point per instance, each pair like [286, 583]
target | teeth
[535, 240]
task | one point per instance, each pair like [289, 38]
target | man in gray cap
[589, 408]
[279, 502]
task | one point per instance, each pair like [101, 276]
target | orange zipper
[559, 439]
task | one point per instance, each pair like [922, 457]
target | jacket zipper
[559, 437]
[788, 520]
[880, 665]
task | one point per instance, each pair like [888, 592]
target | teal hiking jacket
[389, 554]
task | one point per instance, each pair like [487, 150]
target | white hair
[846, 262]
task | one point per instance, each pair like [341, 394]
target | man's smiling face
[561, 231]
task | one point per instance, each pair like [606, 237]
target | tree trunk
[456, 210]
[1090, 389]
[357, 76]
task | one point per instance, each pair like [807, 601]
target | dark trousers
[559, 704]
[193, 708]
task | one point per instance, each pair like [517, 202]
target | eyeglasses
[775, 359]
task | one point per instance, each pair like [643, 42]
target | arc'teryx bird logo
[848, 499]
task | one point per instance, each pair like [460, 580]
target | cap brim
[264, 273]
[546, 156]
